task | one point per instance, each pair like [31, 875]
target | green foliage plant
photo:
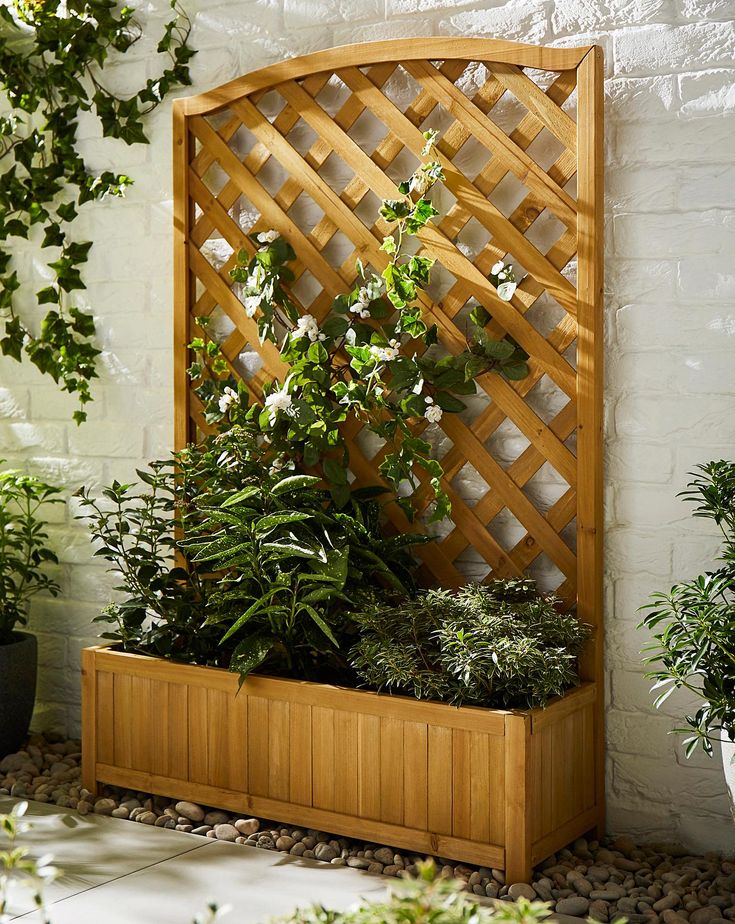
[24, 549]
[19, 871]
[270, 565]
[693, 625]
[427, 899]
[500, 645]
[52, 64]
[371, 360]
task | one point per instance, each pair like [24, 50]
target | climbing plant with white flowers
[373, 358]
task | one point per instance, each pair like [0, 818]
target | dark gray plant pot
[18, 662]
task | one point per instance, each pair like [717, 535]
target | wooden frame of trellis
[547, 775]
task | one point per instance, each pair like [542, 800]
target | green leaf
[267, 523]
[394, 209]
[448, 402]
[294, 483]
[250, 653]
[239, 496]
[321, 623]
[250, 612]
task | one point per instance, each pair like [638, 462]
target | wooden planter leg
[89, 721]
[517, 799]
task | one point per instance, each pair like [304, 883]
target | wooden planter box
[497, 788]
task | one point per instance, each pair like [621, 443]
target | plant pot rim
[583, 689]
[18, 637]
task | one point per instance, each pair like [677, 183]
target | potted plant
[24, 553]
[264, 558]
[693, 626]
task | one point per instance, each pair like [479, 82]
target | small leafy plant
[693, 625]
[18, 870]
[428, 898]
[289, 566]
[52, 61]
[500, 645]
[24, 552]
[374, 359]
[270, 565]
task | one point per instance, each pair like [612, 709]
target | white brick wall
[670, 321]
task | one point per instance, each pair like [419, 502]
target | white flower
[502, 274]
[251, 363]
[386, 354]
[418, 387]
[307, 326]
[506, 290]
[433, 412]
[251, 305]
[267, 237]
[497, 268]
[253, 281]
[227, 399]
[278, 401]
[350, 336]
[361, 306]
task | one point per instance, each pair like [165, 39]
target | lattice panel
[309, 148]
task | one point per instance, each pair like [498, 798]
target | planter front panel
[337, 751]
[479, 785]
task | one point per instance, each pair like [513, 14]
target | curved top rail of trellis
[309, 146]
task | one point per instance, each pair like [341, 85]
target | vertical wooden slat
[123, 719]
[346, 762]
[391, 770]
[415, 775]
[90, 720]
[278, 748]
[178, 731]
[370, 760]
[480, 787]
[198, 725]
[237, 742]
[590, 517]
[300, 754]
[141, 742]
[105, 731]
[497, 784]
[440, 779]
[461, 783]
[258, 745]
[218, 735]
[182, 275]
[517, 798]
[323, 757]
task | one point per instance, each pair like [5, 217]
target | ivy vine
[52, 61]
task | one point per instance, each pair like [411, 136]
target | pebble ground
[605, 880]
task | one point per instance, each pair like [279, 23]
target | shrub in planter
[271, 565]
[500, 645]
[693, 626]
[24, 553]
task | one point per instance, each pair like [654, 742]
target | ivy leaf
[394, 209]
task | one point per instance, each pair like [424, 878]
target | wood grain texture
[488, 786]
[442, 786]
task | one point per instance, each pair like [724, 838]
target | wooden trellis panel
[309, 147]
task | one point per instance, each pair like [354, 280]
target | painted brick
[575, 16]
[666, 49]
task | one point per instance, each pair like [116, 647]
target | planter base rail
[502, 789]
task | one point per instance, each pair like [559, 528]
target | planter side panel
[563, 771]
[338, 758]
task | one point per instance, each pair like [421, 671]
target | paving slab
[92, 849]
[127, 873]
